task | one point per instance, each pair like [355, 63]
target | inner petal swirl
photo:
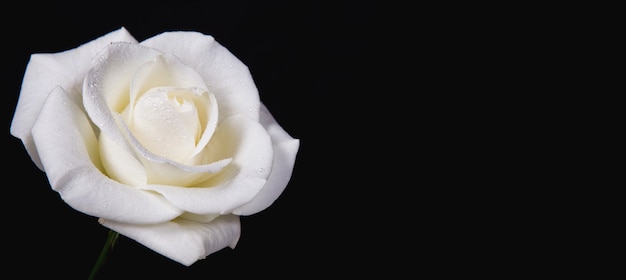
[156, 117]
[166, 122]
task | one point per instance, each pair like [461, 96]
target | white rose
[165, 141]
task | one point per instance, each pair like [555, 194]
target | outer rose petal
[44, 72]
[182, 240]
[225, 75]
[68, 149]
[285, 150]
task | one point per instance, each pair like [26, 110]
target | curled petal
[182, 240]
[285, 150]
[69, 154]
[45, 72]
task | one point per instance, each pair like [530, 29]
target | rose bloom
[166, 140]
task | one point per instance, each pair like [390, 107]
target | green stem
[108, 246]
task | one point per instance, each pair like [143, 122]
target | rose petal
[107, 85]
[68, 149]
[225, 75]
[44, 72]
[183, 240]
[163, 70]
[250, 147]
[285, 150]
[120, 164]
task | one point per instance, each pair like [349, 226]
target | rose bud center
[166, 121]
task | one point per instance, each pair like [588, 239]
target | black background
[316, 66]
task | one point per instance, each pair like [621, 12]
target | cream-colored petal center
[166, 122]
